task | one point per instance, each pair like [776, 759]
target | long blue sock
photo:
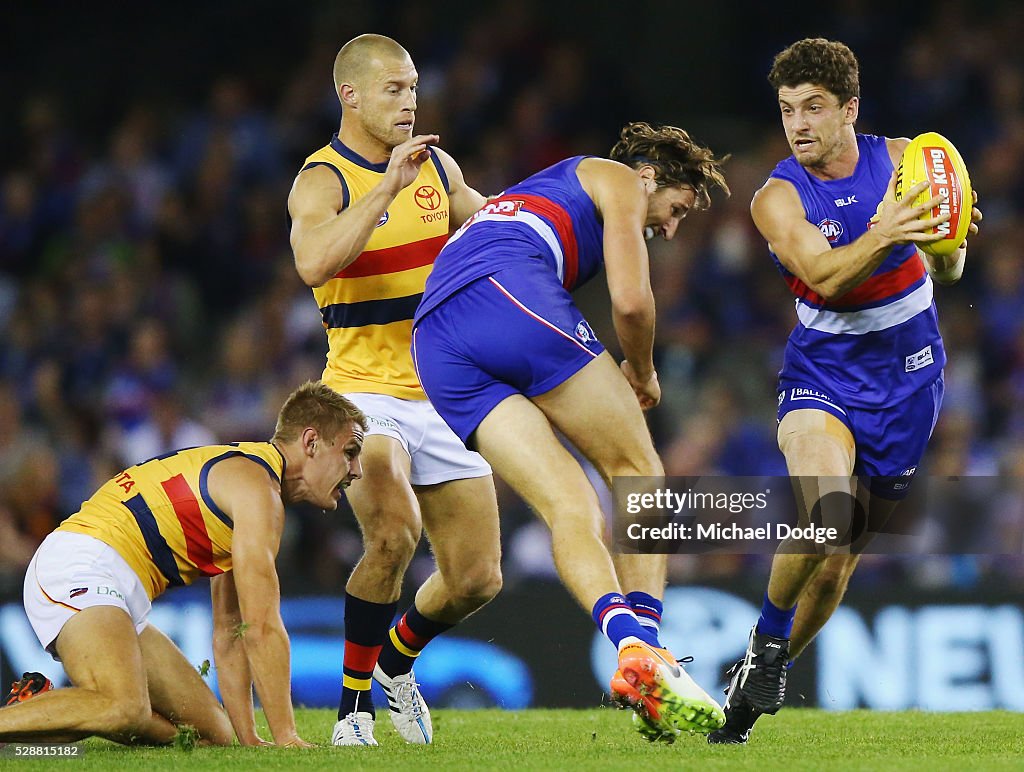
[774, 621]
[648, 610]
[613, 615]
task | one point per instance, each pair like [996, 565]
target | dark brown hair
[676, 158]
[821, 62]
[315, 405]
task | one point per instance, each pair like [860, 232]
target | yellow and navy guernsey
[159, 516]
[368, 307]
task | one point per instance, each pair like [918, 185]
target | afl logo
[832, 229]
[584, 333]
[427, 197]
[383, 219]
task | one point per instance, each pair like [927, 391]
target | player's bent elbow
[311, 263]
[633, 310]
[828, 289]
[310, 276]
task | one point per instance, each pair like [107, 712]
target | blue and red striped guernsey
[547, 216]
[879, 289]
[559, 217]
[866, 346]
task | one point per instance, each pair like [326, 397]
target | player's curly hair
[826, 63]
[319, 406]
[676, 158]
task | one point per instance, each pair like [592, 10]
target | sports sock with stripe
[407, 639]
[613, 615]
[366, 626]
[648, 610]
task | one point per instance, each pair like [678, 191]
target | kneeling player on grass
[213, 511]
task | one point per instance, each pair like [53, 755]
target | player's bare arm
[463, 200]
[234, 678]
[805, 252]
[621, 199]
[253, 501]
[326, 236]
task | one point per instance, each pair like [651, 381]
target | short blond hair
[316, 405]
[351, 62]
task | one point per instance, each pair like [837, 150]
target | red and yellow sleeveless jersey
[159, 516]
[368, 307]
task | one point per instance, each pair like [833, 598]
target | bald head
[357, 57]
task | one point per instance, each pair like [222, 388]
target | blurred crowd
[148, 298]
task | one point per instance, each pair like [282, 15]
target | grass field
[797, 739]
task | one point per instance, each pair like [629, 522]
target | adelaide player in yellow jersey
[214, 511]
[370, 211]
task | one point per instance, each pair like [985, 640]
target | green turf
[797, 739]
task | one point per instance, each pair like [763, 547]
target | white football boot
[354, 729]
[408, 711]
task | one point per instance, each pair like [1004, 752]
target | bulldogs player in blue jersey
[861, 383]
[506, 359]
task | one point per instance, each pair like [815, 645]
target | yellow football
[932, 157]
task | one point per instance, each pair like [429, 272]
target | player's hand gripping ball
[932, 157]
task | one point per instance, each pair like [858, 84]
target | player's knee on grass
[217, 729]
[125, 717]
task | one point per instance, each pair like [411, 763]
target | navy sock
[366, 627]
[775, 621]
[616, 619]
[648, 610]
[407, 639]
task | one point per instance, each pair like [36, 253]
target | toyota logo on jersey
[427, 197]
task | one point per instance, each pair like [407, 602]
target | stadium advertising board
[533, 648]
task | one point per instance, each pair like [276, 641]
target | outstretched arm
[326, 234]
[253, 501]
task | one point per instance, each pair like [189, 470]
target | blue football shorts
[890, 442]
[516, 331]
